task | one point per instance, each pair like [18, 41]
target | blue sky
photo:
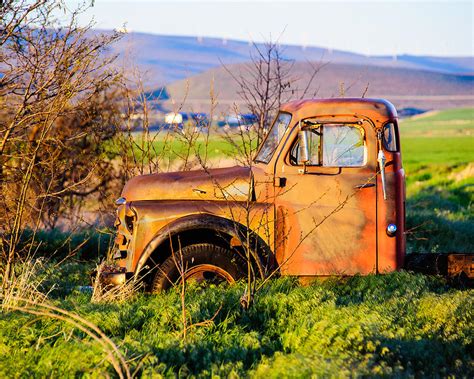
[442, 28]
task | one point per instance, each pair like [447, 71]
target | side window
[274, 137]
[343, 146]
[333, 146]
[390, 137]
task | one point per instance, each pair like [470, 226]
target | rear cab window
[390, 137]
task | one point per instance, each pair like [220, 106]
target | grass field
[216, 147]
[173, 147]
[395, 325]
[438, 155]
[400, 325]
[451, 122]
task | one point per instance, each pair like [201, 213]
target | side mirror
[381, 160]
[303, 153]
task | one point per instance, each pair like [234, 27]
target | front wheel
[203, 263]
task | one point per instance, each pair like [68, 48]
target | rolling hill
[408, 81]
[170, 58]
[404, 87]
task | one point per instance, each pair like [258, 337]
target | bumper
[111, 275]
[113, 278]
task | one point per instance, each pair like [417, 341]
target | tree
[55, 108]
[267, 81]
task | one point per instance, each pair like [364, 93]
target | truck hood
[232, 183]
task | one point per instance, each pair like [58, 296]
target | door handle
[279, 181]
[365, 185]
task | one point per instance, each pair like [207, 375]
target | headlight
[130, 217]
[129, 223]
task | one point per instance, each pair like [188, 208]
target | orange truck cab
[325, 195]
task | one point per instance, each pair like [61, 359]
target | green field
[397, 325]
[216, 146]
[172, 147]
[457, 122]
[438, 155]
[444, 151]
[443, 138]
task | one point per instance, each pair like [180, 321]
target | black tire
[214, 263]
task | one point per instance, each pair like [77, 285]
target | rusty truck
[323, 196]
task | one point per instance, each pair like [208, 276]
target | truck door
[326, 206]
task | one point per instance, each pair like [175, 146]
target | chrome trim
[120, 201]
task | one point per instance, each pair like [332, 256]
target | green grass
[436, 151]
[397, 325]
[394, 325]
[85, 244]
[443, 138]
[216, 147]
[458, 122]
[174, 147]
[438, 155]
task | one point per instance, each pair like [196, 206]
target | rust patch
[232, 183]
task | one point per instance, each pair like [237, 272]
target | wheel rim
[206, 273]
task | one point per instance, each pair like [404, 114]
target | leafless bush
[54, 85]
[148, 144]
[267, 81]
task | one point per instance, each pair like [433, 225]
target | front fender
[196, 221]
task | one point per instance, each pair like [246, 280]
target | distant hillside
[171, 58]
[404, 87]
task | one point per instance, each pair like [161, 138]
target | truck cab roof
[376, 109]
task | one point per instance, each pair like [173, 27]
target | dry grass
[26, 284]
[103, 293]
[24, 294]
[466, 173]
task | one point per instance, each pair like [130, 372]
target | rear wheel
[203, 263]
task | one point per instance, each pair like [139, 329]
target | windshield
[274, 137]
